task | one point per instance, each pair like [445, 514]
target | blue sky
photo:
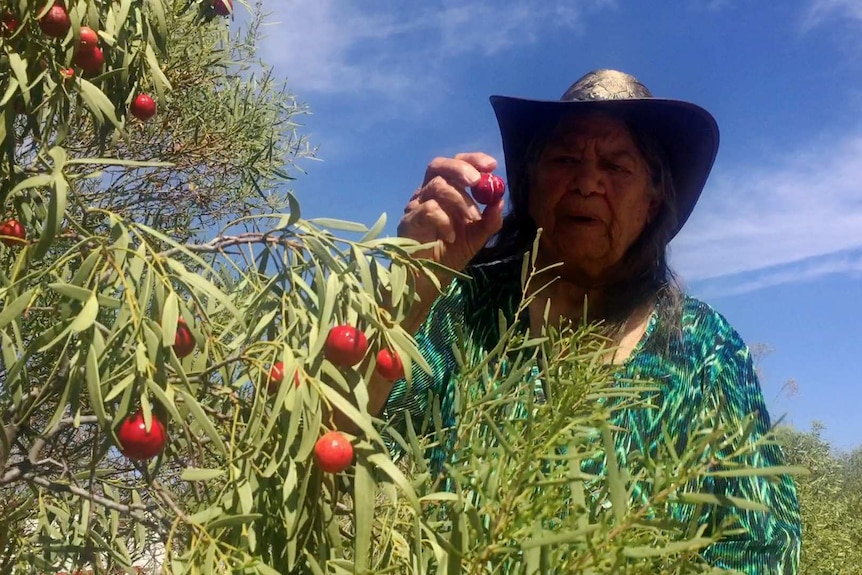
[775, 243]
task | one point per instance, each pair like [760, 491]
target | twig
[91, 497]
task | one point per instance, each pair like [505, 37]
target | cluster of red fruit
[345, 346]
[88, 54]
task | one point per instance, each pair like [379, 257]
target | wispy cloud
[393, 47]
[849, 263]
[803, 211]
[821, 10]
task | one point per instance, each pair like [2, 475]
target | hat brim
[688, 133]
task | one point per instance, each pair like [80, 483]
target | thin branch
[91, 497]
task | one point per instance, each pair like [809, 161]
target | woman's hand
[442, 210]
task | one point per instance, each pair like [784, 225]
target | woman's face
[591, 192]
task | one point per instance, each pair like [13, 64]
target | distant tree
[831, 502]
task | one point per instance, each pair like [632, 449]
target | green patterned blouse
[709, 366]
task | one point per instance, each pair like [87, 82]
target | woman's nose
[587, 179]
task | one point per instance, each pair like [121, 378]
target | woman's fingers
[427, 221]
[443, 209]
[462, 171]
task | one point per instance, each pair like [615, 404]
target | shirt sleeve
[434, 340]
[770, 542]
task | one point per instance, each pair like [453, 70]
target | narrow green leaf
[375, 230]
[206, 515]
[120, 387]
[203, 285]
[19, 68]
[203, 420]
[14, 310]
[761, 471]
[398, 282]
[37, 181]
[56, 214]
[560, 537]
[158, 75]
[94, 387]
[644, 551]
[165, 397]
[364, 270]
[722, 500]
[170, 315]
[87, 317]
[246, 497]
[200, 474]
[385, 464]
[364, 496]
[234, 520]
[98, 103]
[342, 225]
[616, 484]
[72, 291]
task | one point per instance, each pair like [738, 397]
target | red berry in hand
[184, 341]
[333, 452]
[489, 189]
[8, 24]
[90, 59]
[55, 23]
[345, 346]
[88, 38]
[223, 7]
[389, 365]
[138, 443]
[143, 107]
[14, 232]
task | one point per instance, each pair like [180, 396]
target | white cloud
[803, 209]
[820, 10]
[395, 48]
[844, 263]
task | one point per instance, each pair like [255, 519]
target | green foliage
[830, 498]
[122, 246]
[514, 490]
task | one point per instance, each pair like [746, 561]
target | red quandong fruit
[223, 7]
[489, 190]
[345, 345]
[276, 376]
[143, 107]
[8, 24]
[90, 60]
[14, 232]
[136, 442]
[87, 38]
[55, 23]
[333, 452]
[184, 341]
[389, 365]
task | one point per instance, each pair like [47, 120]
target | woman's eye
[616, 168]
[564, 160]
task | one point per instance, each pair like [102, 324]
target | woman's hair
[642, 274]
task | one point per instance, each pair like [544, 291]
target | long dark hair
[642, 275]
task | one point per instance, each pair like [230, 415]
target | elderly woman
[610, 174]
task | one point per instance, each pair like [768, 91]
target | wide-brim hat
[687, 133]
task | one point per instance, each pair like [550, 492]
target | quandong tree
[175, 339]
